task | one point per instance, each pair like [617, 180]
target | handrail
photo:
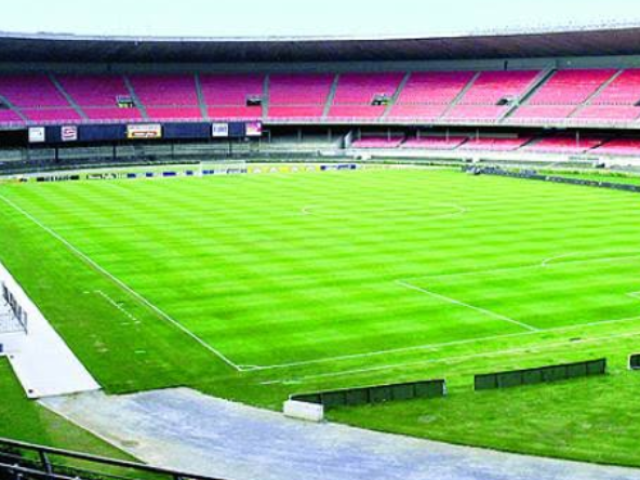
[40, 450]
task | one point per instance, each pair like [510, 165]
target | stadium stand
[564, 93]
[495, 144]
[299, 96]
[356, 95]
[427, 95]
[378, 142]
[167, 96]
[435, 143]
[564, 145]
[98, 96]
[493, 94]
[620, 146]
[226, 96]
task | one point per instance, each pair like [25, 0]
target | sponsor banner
[69, 133]
[141, 132]
[254, 129]
[37, 135]
[220, 130]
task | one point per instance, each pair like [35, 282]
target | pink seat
[417, 111]
[52, 115]
[477, 112]
[165, 90]
[231, 90]
[177, 113]
[566, 145]
[495, 144]
[435, 143]
[235, 113]
[440, 88]
[571, 87]
[356, 111]
[94, 90]
[312, 112]
[491, 87]
[378, 142]
[31, 91]
[621, 146]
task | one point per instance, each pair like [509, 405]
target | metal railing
[19, 460]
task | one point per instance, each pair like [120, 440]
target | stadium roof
[584, 41]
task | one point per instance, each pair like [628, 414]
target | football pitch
[255, 287]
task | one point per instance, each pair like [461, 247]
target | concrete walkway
[42, 361]
[188, 431]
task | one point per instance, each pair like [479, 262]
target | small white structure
[309, 412]
[42, 361]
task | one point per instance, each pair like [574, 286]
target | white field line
[453, 301]
[544, 264]
[117, 306]
[496, 353]
[120, 283]
[436, 346]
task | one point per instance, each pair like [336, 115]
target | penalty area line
[453, 301]
[85, 258]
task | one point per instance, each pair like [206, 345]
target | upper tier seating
[226, 96]
[165, 90]
[9, 116]
[620, 146]
[299, 89]
[617, 102]
[168, 97]
[495, 144]
[571, 87]
[98, 95]
[488, 97]
[427, 95]
[299, 96]
[491, 87]
[31, 91]
[356, 92]
[562, 95]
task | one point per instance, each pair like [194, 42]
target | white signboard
[220, 130]
[37, 135]
[69, 133]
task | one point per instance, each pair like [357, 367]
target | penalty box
[567, 291]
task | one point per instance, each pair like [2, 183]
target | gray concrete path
[184, 430]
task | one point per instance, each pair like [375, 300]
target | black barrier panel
[53, 134]
[187, 131]
[376, 394]
[533, 376]
[634, 362]
[486, 382]
[101, 133]
[237, 130]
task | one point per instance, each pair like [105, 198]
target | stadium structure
[430, 237]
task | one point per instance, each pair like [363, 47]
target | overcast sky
[304, 17]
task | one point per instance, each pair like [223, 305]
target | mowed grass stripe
[230, 258]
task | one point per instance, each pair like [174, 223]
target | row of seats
[511, 97]
[568, 145]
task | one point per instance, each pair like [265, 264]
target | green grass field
[255, 287]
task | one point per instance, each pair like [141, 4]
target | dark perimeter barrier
[534, 376]
[23, 461]
[534, 175]
[634, 362]
[376, 394]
